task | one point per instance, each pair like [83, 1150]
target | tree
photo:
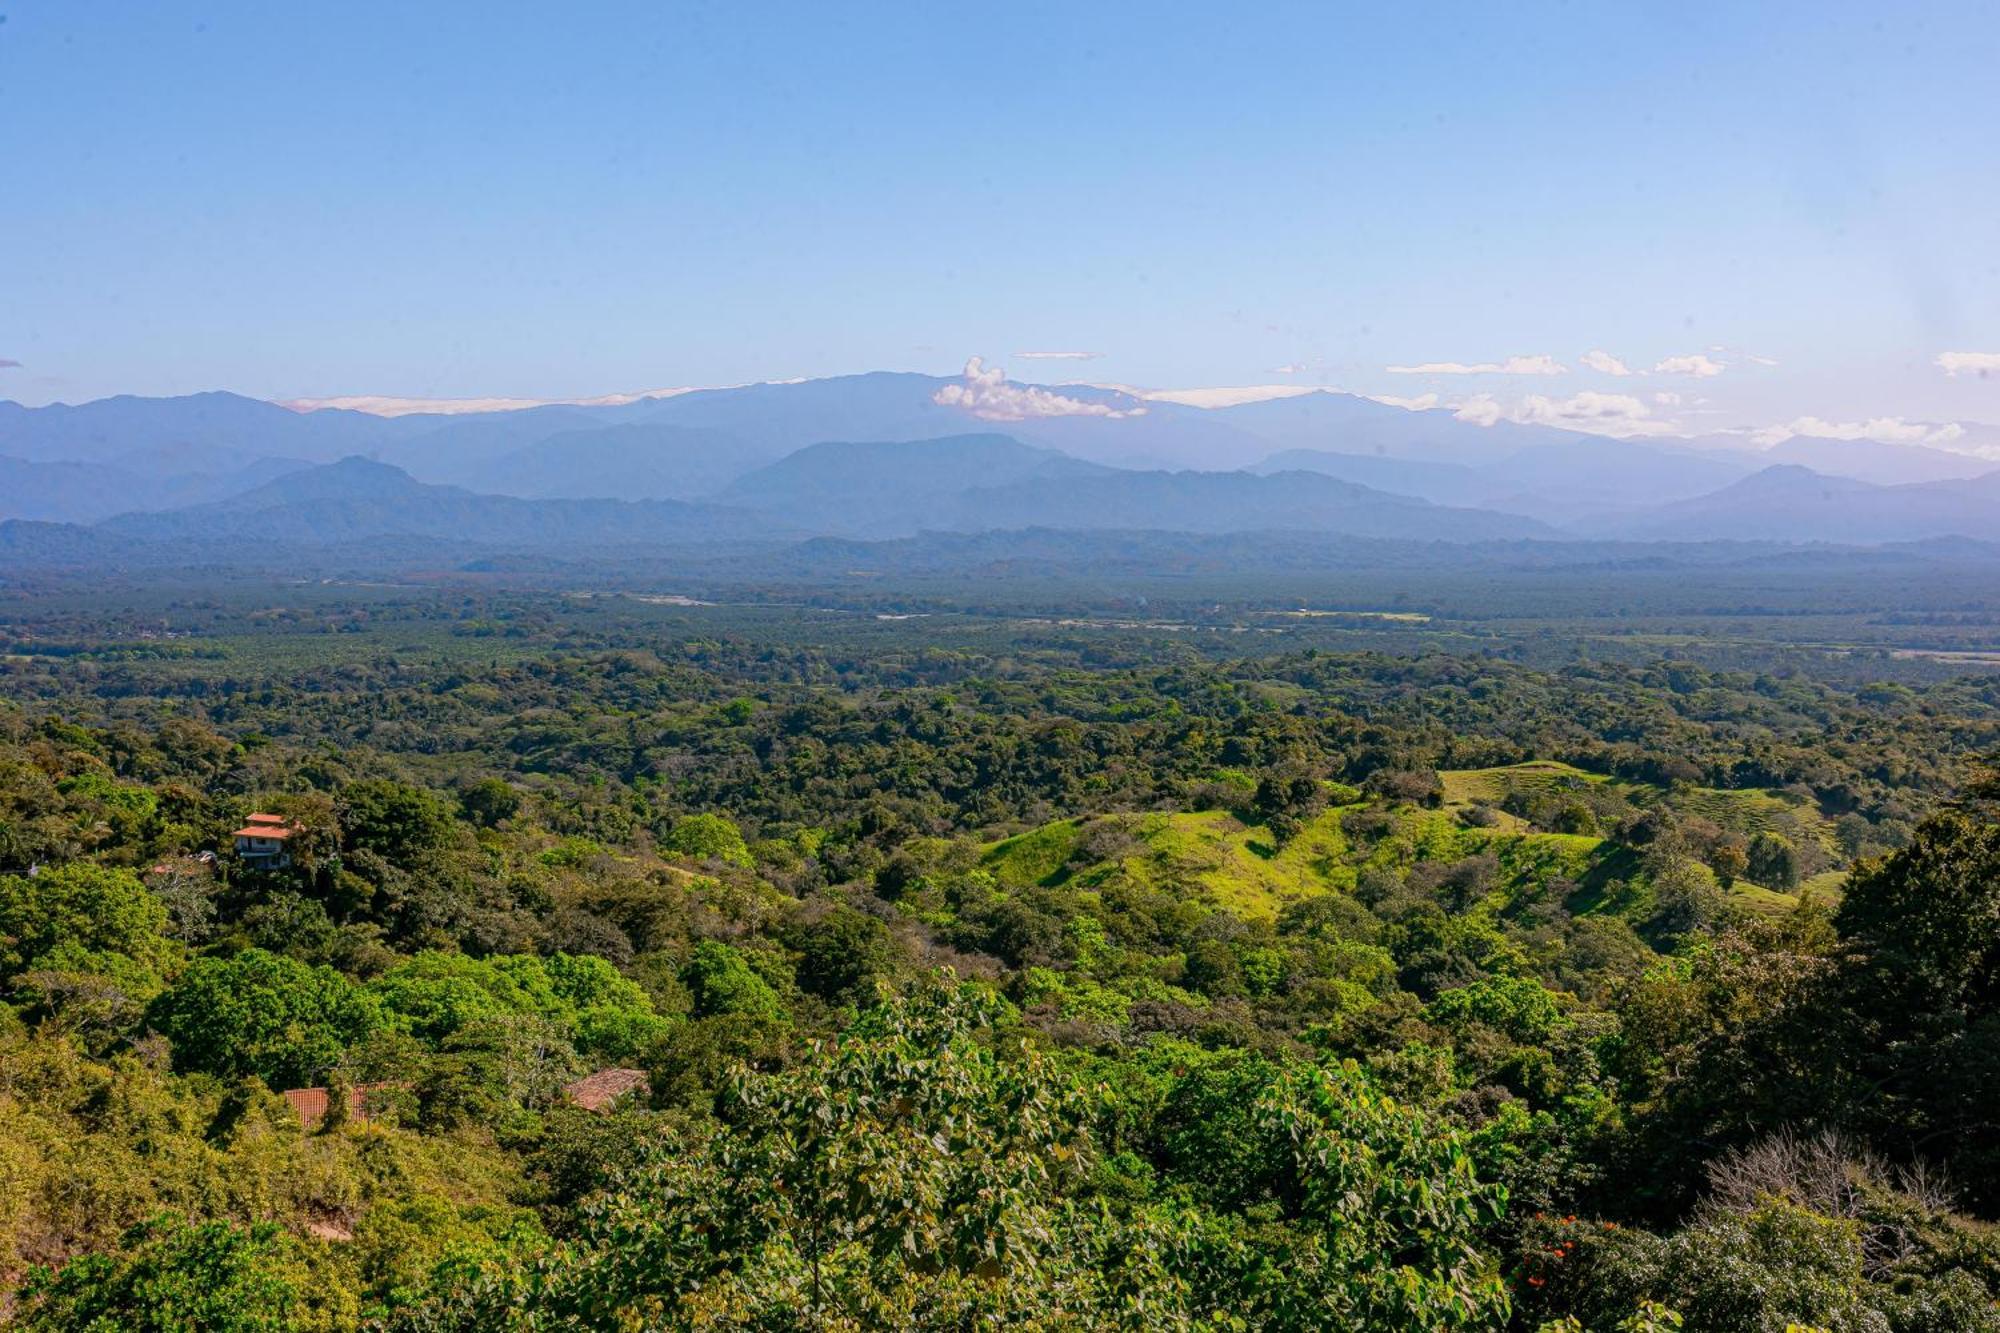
[436, 996]
[1288, 799]
[723, 983]
[395, 821]
[1206, 1132]
[169, 1277]
[1922, 979]
[264, 1014]
[841, 954]
[520, 1059]
[707, 837]
[490, 801]
[905, 1178]
[912, 1176]
[1575, 817]
[1773, 1266]
[85, 907]
[1419, 786]
[1773, 862]
[1685, 896]
[1722, 1044]
[1729, 861]
[1212, 969]
[1388, 1210]
[611, 1016]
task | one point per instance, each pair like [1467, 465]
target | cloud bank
[1615, 414]
[1228, 396]
[987, 394]
[1882, 430]
[1513, 365]
[1695, 364]
[382, 405]
[1423, 402]
[1981, 364]
[1604, 363]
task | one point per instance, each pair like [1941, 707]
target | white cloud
[1604, 363]
[1227, 396]
[1481, 410]
[1423, 402]
[1540, 364]
[1059, 356]
[988, 395]
[380, 405]
[1667, 398]
[1981, 364]
[1754, 359]
[1294, 368]
[1695, 364]
[1586, 406]
[1883, 430]
[1615, 414]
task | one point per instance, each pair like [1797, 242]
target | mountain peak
[351, 478]
[1794, 479]
[358, 469]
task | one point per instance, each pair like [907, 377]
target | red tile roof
[311, 1103]
[277, 831]
[597, 1092]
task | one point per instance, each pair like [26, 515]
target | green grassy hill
[1240, 864]
[1469, 786]
[1747, 811]
[1244, 869]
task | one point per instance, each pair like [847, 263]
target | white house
[263, 842]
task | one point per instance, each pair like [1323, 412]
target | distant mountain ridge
[1080, 455]
[1787, 502]
[1551, 482]
[972, 483]
[357, 499]
[69, 492]
[894, 488]
[1216, 502]
[1440, 483]
[644, 460]
[1873, 461]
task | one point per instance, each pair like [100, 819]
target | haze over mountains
[888, 456]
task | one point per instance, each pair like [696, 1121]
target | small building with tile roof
[601, 1091]
[312, 1104]
[264, 841]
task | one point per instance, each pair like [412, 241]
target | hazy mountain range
[886, 456]
[1790, 503]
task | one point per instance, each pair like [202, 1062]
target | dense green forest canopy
[969, 974]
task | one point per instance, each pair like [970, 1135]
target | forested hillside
[732, 980]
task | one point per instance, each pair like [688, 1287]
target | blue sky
[460, 200]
